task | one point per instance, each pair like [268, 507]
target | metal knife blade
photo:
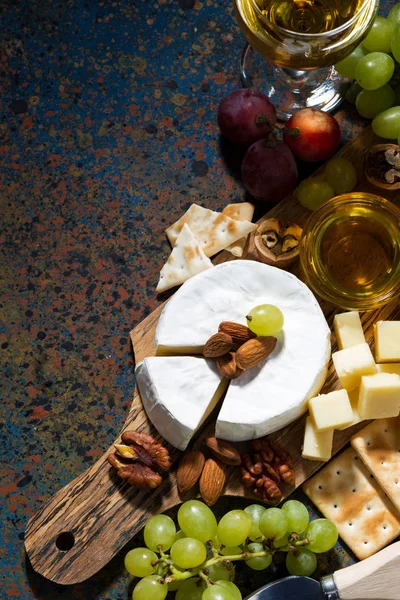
[290, 588]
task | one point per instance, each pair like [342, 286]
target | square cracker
[214, 231]
[378, 446]
[241, 211]
[347, 494]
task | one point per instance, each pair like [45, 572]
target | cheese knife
[375, 578]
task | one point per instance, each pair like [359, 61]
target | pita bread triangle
[186, 259]
[214, 231]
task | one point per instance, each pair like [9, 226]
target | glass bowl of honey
[350, 251]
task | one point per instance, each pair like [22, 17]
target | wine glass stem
[294, 74]
[291, 89]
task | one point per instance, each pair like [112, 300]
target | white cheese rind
[176, 393]
[273, 394]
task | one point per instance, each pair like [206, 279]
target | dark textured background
[108, 133]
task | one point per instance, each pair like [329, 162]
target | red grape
[269, 170]
[244, 116]
[318, 134]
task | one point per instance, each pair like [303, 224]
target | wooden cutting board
[85, 524]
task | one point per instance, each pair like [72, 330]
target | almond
[239, 333]
[189, 470]
[212, 481]
[227, 366]
[224, 451]
[217, 345]
[254, 351]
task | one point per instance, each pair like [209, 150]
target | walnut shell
[382, 166]
[277, 242]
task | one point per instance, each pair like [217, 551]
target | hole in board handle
[65, 541]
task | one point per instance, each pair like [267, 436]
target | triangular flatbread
[186, 259]
[214, 230]
[241, 211]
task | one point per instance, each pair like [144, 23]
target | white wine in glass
[299, 41]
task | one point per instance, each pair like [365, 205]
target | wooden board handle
[375, 578]
[81, 527]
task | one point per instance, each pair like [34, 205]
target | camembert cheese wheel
[274, 393]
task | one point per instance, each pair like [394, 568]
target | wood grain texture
[374, 577]
[104, 513]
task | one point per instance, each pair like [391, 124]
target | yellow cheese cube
[387, 341]
[348, 329]
[379, 396]
[317, 445]
[389, 368]
[352, 363]
[330, 411]
[353, 397]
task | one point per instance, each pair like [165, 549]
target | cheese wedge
[186, 259]
[178, 393]
[213, 230]
[241, 211]
[276, 391]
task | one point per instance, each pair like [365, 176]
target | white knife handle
[375, 578]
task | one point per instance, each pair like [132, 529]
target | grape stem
[177, 575]
[262, 119]
[302, 542]
[213, 549]
[205, 577]
[294, 133]
[294, 545]
[198, 571]
[165, 558]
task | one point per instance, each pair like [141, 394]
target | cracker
[241, 211]
[214, 231]
[347, 494]
[186, 259]
[378, 446]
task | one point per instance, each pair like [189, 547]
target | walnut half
[382, 166]
[139, 458]
[277, 242]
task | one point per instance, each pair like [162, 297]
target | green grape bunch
[375, 67]
[198, 561]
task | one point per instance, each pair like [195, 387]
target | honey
[350, 251]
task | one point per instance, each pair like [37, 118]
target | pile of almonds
[211, 471]
[236, 348]
[265, 466]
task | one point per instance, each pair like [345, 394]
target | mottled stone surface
[107, 134]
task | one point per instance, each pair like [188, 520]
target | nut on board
[189, 470]
[277, 242]
[139, 458]
[382, 166]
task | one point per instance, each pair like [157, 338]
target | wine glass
[293, 45]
